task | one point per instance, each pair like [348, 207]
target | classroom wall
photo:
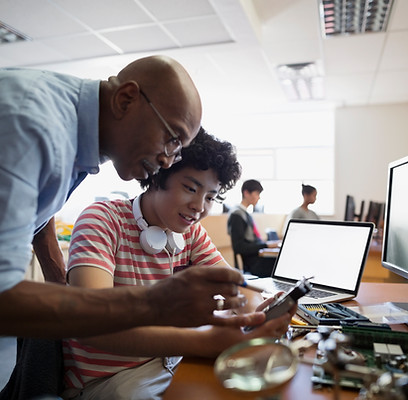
[367, 139]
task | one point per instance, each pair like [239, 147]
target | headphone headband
[154, 239]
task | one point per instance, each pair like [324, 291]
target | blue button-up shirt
[48, 140]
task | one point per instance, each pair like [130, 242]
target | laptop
[331, 253]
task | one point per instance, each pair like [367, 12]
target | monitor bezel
[386, 264]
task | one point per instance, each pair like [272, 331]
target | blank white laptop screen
[332, 252]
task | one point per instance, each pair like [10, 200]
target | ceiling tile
[355, 88]
[5, 61]
[297, 19]
[165, 10]
[395, 55]
[37, 19]
[353, 54]
[80, 46]
[399, 13]
[292, 52]
[105, 13]
[30, 53]
[97, 68]
[199, 31]
[149, 38]
[390, 86]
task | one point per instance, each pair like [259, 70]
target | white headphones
[154, 239]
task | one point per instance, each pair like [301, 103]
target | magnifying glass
[255, 365]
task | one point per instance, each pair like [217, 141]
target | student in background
[309, 194]
[111, 247]
[245, 237]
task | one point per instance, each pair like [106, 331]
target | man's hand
[187, 298]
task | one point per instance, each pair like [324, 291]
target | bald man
[54, 130]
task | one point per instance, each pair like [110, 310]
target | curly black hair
[205, 152]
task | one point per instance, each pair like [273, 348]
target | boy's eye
[189, 188]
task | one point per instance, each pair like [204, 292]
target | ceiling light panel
[347, 17]
[302, 81]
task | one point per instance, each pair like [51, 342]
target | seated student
[117, 243]
[309, 194]
[245, 237]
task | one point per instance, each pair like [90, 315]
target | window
[283, 151]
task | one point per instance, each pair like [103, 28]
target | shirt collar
[242, 207]
[88, 127]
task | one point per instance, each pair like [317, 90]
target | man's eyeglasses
[172, 148]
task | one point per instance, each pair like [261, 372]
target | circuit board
[379, 348]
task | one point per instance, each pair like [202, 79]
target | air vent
[348, 17]
[10, 35]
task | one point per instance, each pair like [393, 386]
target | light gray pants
[146, 382]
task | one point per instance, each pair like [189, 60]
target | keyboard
[314, 293]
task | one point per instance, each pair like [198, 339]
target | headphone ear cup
[153, 239]
[175, 242]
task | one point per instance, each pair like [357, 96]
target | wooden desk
[374, 271]
[195, 379]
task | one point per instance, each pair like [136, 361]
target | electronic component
[380, 350]
[328, 314]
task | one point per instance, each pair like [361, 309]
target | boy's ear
[127, 94]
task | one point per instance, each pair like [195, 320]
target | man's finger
[223, 274]
[252, 319]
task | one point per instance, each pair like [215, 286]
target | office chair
[238, 262]
[39, 370]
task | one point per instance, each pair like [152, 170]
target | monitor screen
[376, 214]
[350, 214]
[395, 242]
[350, 209]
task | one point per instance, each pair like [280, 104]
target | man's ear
[124, 97]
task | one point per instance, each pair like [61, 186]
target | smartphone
[284, 303]
[287, 300]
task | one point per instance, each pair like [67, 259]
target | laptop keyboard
[314, 293]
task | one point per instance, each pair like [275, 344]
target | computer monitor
[375, 214]
[350, 208]
[395, 235]
[259, 208]
[350, 214]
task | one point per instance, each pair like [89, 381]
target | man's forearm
[49, 254]
[32, 309]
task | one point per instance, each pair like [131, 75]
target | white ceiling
[230, 47]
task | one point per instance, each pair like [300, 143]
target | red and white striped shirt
[106, 236]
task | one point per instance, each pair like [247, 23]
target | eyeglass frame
[176, 153]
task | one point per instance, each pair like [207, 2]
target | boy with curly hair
[140, 242]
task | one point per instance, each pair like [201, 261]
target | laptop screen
[333, 252]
